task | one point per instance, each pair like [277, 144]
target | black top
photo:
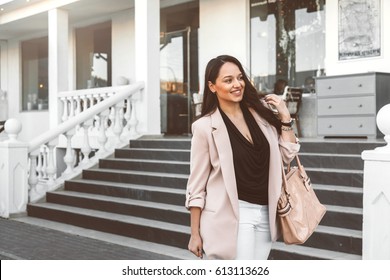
[251, 161]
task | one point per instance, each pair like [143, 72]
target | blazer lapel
[222, 142]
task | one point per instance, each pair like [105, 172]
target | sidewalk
[23, 241]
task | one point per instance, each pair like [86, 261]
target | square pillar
[147, 64]
[58, 60]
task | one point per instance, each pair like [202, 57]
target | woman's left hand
[280, 105]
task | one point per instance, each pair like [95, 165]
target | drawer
[346, 85]
[346, 106]
[347, 126]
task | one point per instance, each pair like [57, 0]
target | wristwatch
[289, 123]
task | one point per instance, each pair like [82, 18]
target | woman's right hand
[196, 245]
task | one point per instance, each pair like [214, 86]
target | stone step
[338, 146]
[281, 251]
[125, 190]
[158, 154]
[338, 161]
[332, 176]
[125, 225]
[343, 217]
[171, 180]
[144, 209]
[339, 195]
[162, 142]
[181, 167]
[336, 239]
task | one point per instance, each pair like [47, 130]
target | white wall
[335, 67]
[223, 29]
[123, 50]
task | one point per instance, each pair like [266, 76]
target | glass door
[175, 91]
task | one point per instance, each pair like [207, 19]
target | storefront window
[35, 74]
[93, 56]
[287, 42]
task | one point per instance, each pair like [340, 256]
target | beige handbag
[299, 209]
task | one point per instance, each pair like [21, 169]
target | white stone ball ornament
[383, 123]
[12, 127]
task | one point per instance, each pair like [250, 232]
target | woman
[236, 178]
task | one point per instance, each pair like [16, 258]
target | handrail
[89, 91]
[123, 92]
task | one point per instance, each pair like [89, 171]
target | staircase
[139, 193]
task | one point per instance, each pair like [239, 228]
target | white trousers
[254, 236]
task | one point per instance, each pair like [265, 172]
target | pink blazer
[212, 183]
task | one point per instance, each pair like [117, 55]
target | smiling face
[229, 85]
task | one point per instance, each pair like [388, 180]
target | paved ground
[24, 241]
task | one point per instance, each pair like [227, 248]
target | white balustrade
[29, 169]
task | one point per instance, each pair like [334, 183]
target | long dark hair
[251, 96]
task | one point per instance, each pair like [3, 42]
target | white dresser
[347, 105]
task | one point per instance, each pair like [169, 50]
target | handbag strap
[300, 167]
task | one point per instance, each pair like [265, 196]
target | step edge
[147, 160]
[128, 201]
[135, 172]
[127, 185]
[314, 252]
[114, 216]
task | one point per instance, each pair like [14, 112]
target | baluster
[33, 178]
[118, 122]
[102, 137]
[72, 105]
[78, 110]
[85, 103]
[44, 161]
[86, 148]
[91, 100]
[69, 158]
[65, 109]
[127, 116]
[39, 167]
[91, 103]
[51, 167]
[133, 120]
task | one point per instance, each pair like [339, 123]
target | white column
[13, 172]
[376, 195]
[58, 61]
[223, 32]
[147, 61]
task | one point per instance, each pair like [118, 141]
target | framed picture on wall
[359, 29]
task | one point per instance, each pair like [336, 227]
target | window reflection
[35, 74]
[93, 56]
[287, 42]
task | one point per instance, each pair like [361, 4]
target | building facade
[52, 46]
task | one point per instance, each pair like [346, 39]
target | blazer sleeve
[288, 150]
[200, 166]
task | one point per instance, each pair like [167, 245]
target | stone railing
[376, 195]
[29, 170]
